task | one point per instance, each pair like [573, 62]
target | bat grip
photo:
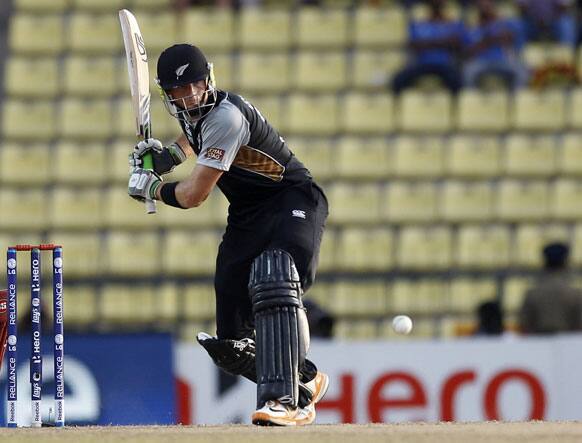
[148, 163]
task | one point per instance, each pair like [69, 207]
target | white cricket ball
[402, 324]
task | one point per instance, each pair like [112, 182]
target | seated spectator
[548, 20]
[490, 317]
[320, 321]
[434, 47]
[492, 48]
[553, 305]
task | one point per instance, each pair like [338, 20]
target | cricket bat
[137, 68]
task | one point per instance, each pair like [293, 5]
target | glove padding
[165, 158]
[143, 184]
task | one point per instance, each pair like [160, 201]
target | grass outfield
[533, 432]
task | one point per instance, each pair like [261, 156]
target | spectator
[490, 317]
[548, 20]
[553, 305]
[320, 321]
[492, 48]
[434, 46]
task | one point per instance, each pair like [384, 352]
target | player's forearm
[184, 144]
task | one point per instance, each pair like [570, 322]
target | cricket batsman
[268, 255]
[3, 323]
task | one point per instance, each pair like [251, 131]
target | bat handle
[148, 163]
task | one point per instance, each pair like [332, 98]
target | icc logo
[58, 262]
[12, 263]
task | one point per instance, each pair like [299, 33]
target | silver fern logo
[181, 70]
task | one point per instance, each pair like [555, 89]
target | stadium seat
[569, 160]
[169, 309]
[321, 293]
[520, 201]
[421, 12]
[565, 201]
[23, 209]
[264, 29]
[86, 119]
[40, 115]
[361, 249]
[419, 156]
[319, 71]
[36, 6]
[76, 208]
[24, 164]
[98, 5]
[211, 29]
[373, 70]
[362, 158]
[263, 73]
[321, 28]
[379, 27]
[121, 211]
[466, 201]
[81, 163]
[117, 171]
[132, 253]
[513, 293]
[316, 154]
[41, 34]
[22, 237]
[419, 296]
[531, 238]
[128, 305]
[90, 76]
[224, 71]
[312, 114]
[327, 252]
[422, 248]
[473, 156]
[468, 293]
[424, 112]
[576, 245]
[190, 252]
[483, 112]
[530, 156]
[540, 55]
[82, 254]
[203, 216]
[164, 126]
[354, 203]
[483, 247]
[575, 109]
[271, 108]
[80, 302]
[160, 30]
[95, 33]
[424, 328]
[539, 111]
[367, 298]
[198, 302]
[410, 202]
[151, 5]
[355, 329]
[31, 77]
[367, 114]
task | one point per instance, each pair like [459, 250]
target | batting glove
[143, 184]
[165, 158]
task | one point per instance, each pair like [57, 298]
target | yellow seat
[484, 112]
[264, 72]
[424, 112]
[424, 248]
[319, 71]
[81, 304]
[423, 296]
[132, 253]
[361, 249]
[152, 5]
[569, 160]
[344, 329]
[539, 111]
[36, 6]
[23, 209]
[367, 114]
[128, 304]
[531, 238]
[410, 202]
[199, 302]
[32, 77]
[117, 171]
[121, 211]
[538, 55]
[312, 115]
[362, 158]
[514, 289]
[327, 251]
[204, 215]
[321, 28]
[264, 29]
[163, 124]
[82, 254]
[90, 76]
[530, 156]
[190, 252]
[575, 109]
[424, 329]
[483, 247]
[271, 108]
[74, 208]
[368, 298]
[462, 201]
[40, 115]
[315, 153]
[86, 119]
[419, 156]
[473, 156]
[224, 71]
[565, 202]
[95, 33]
[520, 201]
[379, 27]
[373, 70]
[25, 164]
[211, 29]
[97, 5]
[468, 293]
[354, 203]
[36, 34]
[160, 30]
[80, 163]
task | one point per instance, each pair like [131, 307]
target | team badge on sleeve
[215, 154]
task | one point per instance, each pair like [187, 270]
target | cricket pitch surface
[531, 432]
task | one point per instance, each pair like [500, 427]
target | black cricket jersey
[236, 138]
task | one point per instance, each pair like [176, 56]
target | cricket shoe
[318, 387]
[275, 413]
